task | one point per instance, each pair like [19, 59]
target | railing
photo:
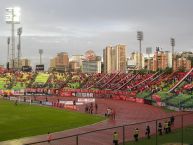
[125, 132]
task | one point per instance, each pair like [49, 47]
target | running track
[126, 113]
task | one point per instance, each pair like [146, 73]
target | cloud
[75, 26]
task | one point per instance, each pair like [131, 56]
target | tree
[181, 69]
[191, 59]
[168, 70]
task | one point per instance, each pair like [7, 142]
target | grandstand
[77, 80]
[18, 86]
[42, 78]
[57, 80]
[169, 88]
[178, 100]
[22, 80]
[145, 88]
[3, 83]
[188, 103]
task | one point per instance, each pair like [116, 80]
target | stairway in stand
[178, 83]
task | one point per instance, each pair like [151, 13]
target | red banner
[132, 99]
[156, 98]
[140, 100]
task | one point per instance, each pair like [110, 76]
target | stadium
[36, 103]
[123, 90]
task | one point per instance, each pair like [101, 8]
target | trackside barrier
[46, 103]
[61, 105]
[125, 132]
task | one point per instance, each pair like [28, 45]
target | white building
[114, 58]
[77, 58]
[91, 66]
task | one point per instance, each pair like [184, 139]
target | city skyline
[76, 26]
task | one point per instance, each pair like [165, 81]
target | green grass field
[174, 137]
[28, 120]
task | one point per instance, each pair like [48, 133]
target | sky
[75, 26]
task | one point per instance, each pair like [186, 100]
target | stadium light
[140, 38]
[40, 52]
[148, 52]
[19, 32]
[8, 42]
[172, 41]
[12, 17]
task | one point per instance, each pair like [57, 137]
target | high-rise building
[22, 62]
[148, 62]
[131, 65]
[77, 58]
[107, 59]
[13, 63]
[136, 57]
[92, 66]
[114, 58]
[92, 63]
[62, 61]
[121, 55]
[75, 63]
[25, 62]
[161, 60]
[53, 62]
[186, 54]
[74, 66]
[182, 63]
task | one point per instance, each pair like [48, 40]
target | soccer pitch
[29, 120]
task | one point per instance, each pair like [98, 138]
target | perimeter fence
[181, 128]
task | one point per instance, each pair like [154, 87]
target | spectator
[86, 108]
[49, 137]
[115, 138]
[108, 113]
[91, 109]
[169, 126]
[113, 114]
[160, 128]
[96, 108]
[16, 102]
[172, 120]
[136, 134]
[74, 102]
[147, 133]
[166, 127]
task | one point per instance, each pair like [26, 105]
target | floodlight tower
[19, 32]
[13, 17]
[140, 38]
[8, 43]
[172, 41]
[40, 52]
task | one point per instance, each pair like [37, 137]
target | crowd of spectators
[129, 82]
